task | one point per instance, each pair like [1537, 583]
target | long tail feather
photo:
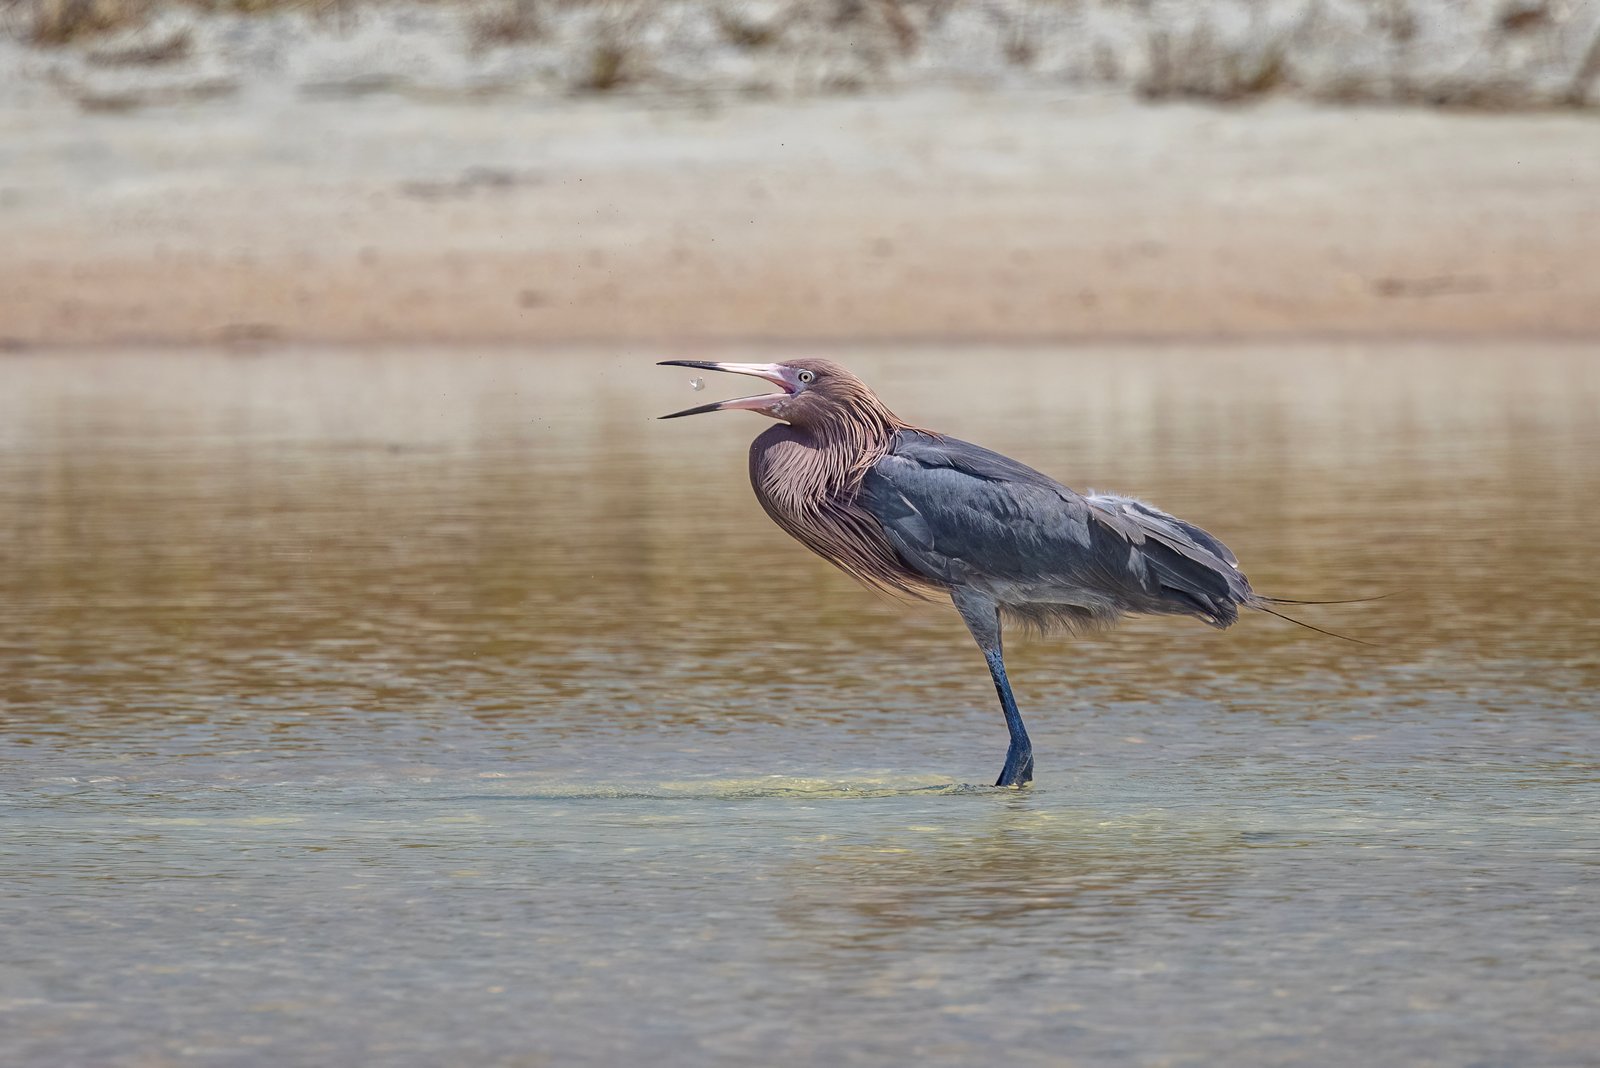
[1347, 600]
[1258, 603]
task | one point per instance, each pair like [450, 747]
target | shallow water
[419, 708]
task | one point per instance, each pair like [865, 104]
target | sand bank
[1005, 214]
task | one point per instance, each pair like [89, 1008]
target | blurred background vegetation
[1500, 54]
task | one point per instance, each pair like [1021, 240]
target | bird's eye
[806, 377]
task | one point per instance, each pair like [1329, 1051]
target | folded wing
[967, 517]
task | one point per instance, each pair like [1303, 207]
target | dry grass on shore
[1484, 54]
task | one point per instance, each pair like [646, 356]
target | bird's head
[811, 392]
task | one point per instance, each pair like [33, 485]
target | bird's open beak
[772, 372]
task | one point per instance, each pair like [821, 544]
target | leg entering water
[982, 616]
[1018, 770]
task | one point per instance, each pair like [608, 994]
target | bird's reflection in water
[990, 885]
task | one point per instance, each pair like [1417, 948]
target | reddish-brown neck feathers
[807, 476]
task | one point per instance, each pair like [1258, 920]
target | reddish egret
[914, 512]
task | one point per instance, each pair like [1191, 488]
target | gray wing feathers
[966, 516]
[1187, 561]
[1177, 534]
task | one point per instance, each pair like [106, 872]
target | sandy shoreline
[933, 214]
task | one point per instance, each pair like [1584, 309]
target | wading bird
[914, 512]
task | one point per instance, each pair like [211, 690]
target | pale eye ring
[806, 377]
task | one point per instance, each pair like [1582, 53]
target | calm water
[442, 708]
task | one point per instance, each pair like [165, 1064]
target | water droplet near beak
[697, 384]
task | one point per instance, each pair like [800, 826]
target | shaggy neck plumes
[846, 433]
[808, 473]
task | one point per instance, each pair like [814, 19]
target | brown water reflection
[361, 686]
[403, 518]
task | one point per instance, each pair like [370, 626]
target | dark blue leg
[1019, 757]
[982, 616]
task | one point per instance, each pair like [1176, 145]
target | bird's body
[935, 512]
[919, 513]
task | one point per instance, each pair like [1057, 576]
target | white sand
[932, 214]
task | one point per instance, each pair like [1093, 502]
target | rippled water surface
[425, 708]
